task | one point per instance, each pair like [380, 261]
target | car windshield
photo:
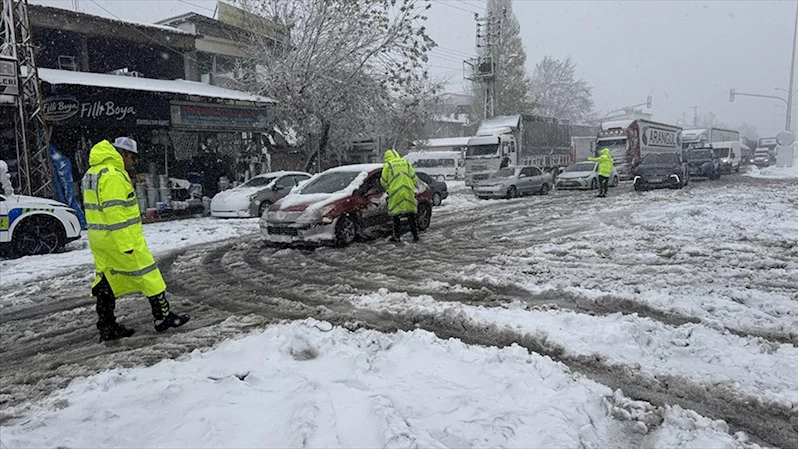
[698, 155]
[259, 181]
[330, 182]
[504, 173]
[583, 166]
[722, 152]
[482, 150]
[424, 177]
[660, 158]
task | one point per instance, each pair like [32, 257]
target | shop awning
[67, 77]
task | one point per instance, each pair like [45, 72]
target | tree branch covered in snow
[556, 91]
[345, 67]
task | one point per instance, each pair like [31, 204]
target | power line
[456, 7]
[469, 5]
[454, 52]
[198, 6]
[144, 34]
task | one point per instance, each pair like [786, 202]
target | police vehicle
[31, 225]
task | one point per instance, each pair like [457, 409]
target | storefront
[185, 129]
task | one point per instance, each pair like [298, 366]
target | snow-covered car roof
[274, 174]
[355, 168]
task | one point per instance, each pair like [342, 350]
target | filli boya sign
[66, 109]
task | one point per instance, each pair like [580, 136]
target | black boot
[162, 316]
[106, 321]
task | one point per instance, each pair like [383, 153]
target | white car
[253, 197]
[583, 175]
[31, 225]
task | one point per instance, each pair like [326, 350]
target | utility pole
[696, 117]
[483, 69]
[34, 165]
[790, 80]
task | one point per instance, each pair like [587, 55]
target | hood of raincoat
[105, 153]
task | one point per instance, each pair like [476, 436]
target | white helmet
[127, 144]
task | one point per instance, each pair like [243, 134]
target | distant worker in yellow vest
[604, 171]
[399, 181]
[123, 263]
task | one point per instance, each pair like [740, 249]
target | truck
[726, 143]
[583, 148]
[520, 139]
[630, 140]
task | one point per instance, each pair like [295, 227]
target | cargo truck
[630, 140]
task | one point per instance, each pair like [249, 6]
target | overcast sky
[683, 53]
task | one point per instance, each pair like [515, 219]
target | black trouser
[106, 303]
[603, 185]
[411, 220]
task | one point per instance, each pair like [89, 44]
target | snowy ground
[161, 237]
[772, 172]
[655, 319]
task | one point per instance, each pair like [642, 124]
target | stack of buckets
[150, 203]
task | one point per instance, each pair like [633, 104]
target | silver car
[252, 198]
[583, 175]
[510, 182]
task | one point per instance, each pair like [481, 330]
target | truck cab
[485, 154]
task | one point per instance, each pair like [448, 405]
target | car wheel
[39, 235]
[423, 215]
[436, 199]
[615, 182]
[346, 230]
[512, 192]
[638, 187]
[544, 189]
[263, 207]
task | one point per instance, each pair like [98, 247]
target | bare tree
[513, 84]
[556, 92]
[341, 65]
[709, 120]
[748, 131]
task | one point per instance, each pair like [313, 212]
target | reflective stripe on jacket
[399, 181]
[114, 220]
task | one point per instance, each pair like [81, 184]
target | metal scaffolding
[32, 133]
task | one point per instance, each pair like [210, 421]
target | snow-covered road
[664, 318]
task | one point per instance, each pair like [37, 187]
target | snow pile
[161, 237]
[693, 351]
[772, 172]
[308, 384]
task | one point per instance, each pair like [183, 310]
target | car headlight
[316, 215]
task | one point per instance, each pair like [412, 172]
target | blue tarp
[64, 185]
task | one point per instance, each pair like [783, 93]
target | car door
[374, 205]
[537, 179]
[4, 223]
[524, 183]
[282, 187]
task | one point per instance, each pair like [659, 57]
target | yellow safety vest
[115, 228]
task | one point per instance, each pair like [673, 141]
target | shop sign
[203, 115]
[8, 77]
[104, 111]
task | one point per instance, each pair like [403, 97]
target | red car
[338, 206]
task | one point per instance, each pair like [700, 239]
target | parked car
[30, 225]
[510, 182]
[660, 170]
[439, 188]
[337, 207]
[583, 175]
[703, 163]
[253, 197]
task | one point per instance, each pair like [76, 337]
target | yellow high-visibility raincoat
[605, 163]
[399, 181]
[115, 228]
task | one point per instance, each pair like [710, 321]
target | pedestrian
[123, 263]
[399, 181]
[504, 163]
[604, 170]
[5, 179]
